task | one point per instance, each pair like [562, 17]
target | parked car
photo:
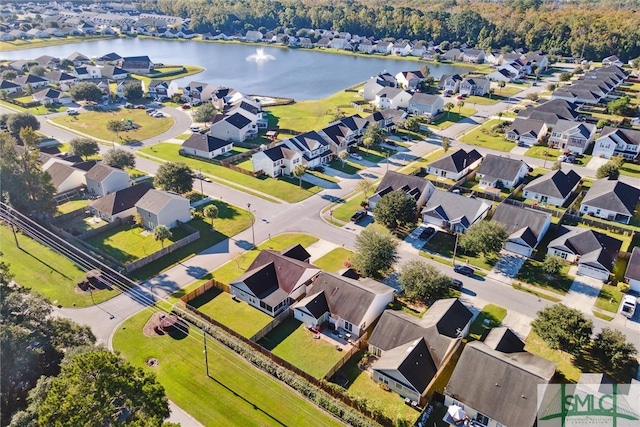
[629, 303]
[464, 270]
[128, 105]
[140, 107]
[456, 284]
[185, 106]
[317, 169]
[158, 115]
[427, 232]
[195, 102]
[72, 112]
[356, 217]
[391, 142]
[355, 156]
[195, 129]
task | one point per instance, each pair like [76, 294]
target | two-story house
[276, 161]
[617, 141]
[425, 104]
[391, 98]
[450, 83]
[102, 180]
[572, 136]
[236, 127]
[410, 80]
[315, 149]
[474, 86]
[158, 207]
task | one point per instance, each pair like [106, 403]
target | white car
[195, 129]
[355, 156]
[628, 306]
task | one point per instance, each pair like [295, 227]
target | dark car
[358, 216]
[456, 284]
[391, 142]
[427, 232]
[464, 270]
[317, 169]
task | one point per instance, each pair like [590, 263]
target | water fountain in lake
[260, 56]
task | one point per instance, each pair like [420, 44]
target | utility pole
[455, 250]
[206, 354]
[201, 185]
[253, 220]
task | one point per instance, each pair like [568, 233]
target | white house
[315, 149]
[611, 200]
[254, 36]
[502, 75]
[417, 188]
[632, 275]
[474, 86]
[236, 128]
[450, 83]
[409, 79]
[573, 136]
[553, 188]
[425, 104]
[9, 87]
[159, 207]
[392, 98]
[402, 48]
[501, 172]
[526, 131]
[455, 165]
[473, 55]
[102, 180]
[206, 146]
[617, 141]
[276, 161]
[65, 177]
[526, 227]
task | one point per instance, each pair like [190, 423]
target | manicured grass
[490, 317]
[46, 272]
[609, 298]
[94, 123]
[423, 162]
[183, 136]
[334, 260]
[279, 188]
[71, 206]
[535, 345]
[235, 392]
[630, 169]
[237, 315]
[344, 211]
[169, 72]
[481, 100]
[441, 243]
[479, 138]
[508, 91]
[539, 152]
[239, 265]
[292, 341]
[532, 274]
[348, 167]
[360, 384]
[452, 117]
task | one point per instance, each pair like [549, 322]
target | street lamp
[206, 353]
[253, 220]
[455, 250]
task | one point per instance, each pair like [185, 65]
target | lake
[291, 73]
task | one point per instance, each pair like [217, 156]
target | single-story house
[343, 303]
[418, 188]
[573, 136]
[31, 80]
[102, 180]
[617, 141]
[612, 60]
[159, 207]
[453, 211]
[10, 87]
[114, 72]
[611, 200]
[425, 104]
[552, 188]
[52, 96]
[632, 275]
[501, 75]
[273, 281]
[526, 227]
[276, 161]
[120, 204]
[254, 36]
[501, 172]
[595, 253]
[455, 165]
[496, 382]
[206, 146]
[60, 77]
[526, 131]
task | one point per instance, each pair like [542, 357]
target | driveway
[596, 162]
[323, 183]
[507, 267]
[583, 293]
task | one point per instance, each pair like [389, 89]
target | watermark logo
[592, 405]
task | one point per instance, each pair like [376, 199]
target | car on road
[629, 303]
[358, 216]
[456, 284]
[464, 270]
[427, 232]
[406, 138]
[355, 156]
[158, 115]
[317, 169]
[391, 142]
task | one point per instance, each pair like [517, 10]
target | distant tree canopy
[593, 29]
[86, 91]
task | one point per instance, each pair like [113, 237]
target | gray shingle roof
[526, 224]
[410, 184]
[59, 172]
[596, 249]
[121, 200]
[100, 171]
[455, 207]
[498, 167]
[555, 184]
[204, 142]
[529, 127]
[562, 109]
[457, 161]
[279, 152]
[155, 200]
[633, 268]
[612, 195]
[412, 360]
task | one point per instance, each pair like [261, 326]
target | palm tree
[460, 105]
[366, 186]
[299, 171]
[448, 106]
[211, 212]
[343, 156]
[501, 84]
[491, 92]
[161, 232]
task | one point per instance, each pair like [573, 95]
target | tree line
[592, 30]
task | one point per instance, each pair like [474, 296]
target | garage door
[432, 220]
[518, 249]
[596, 273]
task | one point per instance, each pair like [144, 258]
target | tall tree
[412, 124]
[204, 113]
[85, 91]
[446, 143]
[119, 158]
[162, 233]
[366, 186]
[501, 84]
[395, 209]
[563, 328]
[84, 147]
[343, 157]
[211, 212]
[376, 251]
[174, 176]
[115, 126]
[299, 172]
[484, 237]
[615, 355]
[460, 104]
[423, 282]
[448, 107]
[373, 135]
[15, 122]
[132, 91]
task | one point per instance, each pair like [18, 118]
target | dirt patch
[152, 327]
[160, 324]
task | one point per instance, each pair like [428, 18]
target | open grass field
[294, 343]
[334, 261]
[278, 188]
[237, 315]
[234, 394]
[490, 317]
[479, 138]
[452, 117]
[94, 123]
[481, 100]
[46, 272]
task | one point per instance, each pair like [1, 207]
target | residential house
[410, 80]
[611, 200]
[577, 95]
[498, 369]
[617, 142]
[102, 180]
[376, 84]
[273, 282]
[79, 59]
[6, 37]
[114, 72]
[355, 123]
[493, 58]
[383, 47]
[161, 88]
[108, 58]
[425, 104]
[206, 146]
[194, 91]
[32, 81]
[121, 86]
[338, 43]
[391, 97]
[315, 149]
[452, 55]
[323, 43]
[365, 46]
[612, 60]
[632, 275]
[455, 165]
[401, 48]
[159, 207]
[594, 252]
[412, 350]
[64, 176]
[417, 188]
[502, 75]
[474, 86]
[305, 42]
[276, 161]
[551, 112]
[119, 204]
[339, 137]
[540, 59]
[58, 77]
[387, 119]
[572, 136]
[136, 64]
[345, 304]
[553, 188]
[51, 96]
[526, 131]
[236, 128]
[454, 212]
[9, 87]
[432, 53]
[526, 227]
[419, 49]
[19, 35]
[38, 33]
[501, 172]
[48, 61]
[450, 83]
[254, 36]
[475, 56]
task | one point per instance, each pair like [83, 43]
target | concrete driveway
[507, 267]
[583, 293]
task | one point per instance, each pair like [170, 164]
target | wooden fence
[109, 226]
[224, 164]
[162, 252]
[272, 325]
[593, 222]
[91, 250]
[357, 345]
[204, 288]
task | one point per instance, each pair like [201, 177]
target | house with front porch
[343, 303]
[52, 96]
[526, 131]
[401, 48]
[455, 165]
[617, 142]
[273, 282]
[425, 104]
[612, 200]
[158, 207]
[474, 86]
[339, 136]
[315, 149]
[454, 212]
[417, 188]
[32, 81]
[276, 161]
[553, 188]
[9, 87]
[501, 172]
[206, 146]
[572, 136]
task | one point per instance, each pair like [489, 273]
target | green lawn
[452, 117]
[539, 152]
[71, 205]
[290, 192]
[508, 91]
[343, 211]
[348, 167]
[183, 136]
[237, 315]
[46, 272]
[535, 345]
[609, 298]
[235, 392]
[292, 341]
[490, 317]
[532, 274]
[94, 123]
[630, 169]
[424, 161]
[481, 100]
[441, 243]
[477, 137]
[54, 41]
[169, 72]
[334, 260]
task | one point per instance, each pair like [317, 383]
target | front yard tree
[174, 176]
[609, 170]
[86, 91]
[460, 104]
[376, 251]
[615, 355]
[17, 121]
[9, 74]
[162, 233]
[423, 282]
[132, 91]
[565, 76]
[116, 392]
[501, 84]
[551, 87]
[299, 172]
[373, 135]
[204, 113]
[484, 237]
[366, 186]
[448, 107]
[446, 143]
[563, 328]
[552, 264]
[37, 70]
[395, 209]
[211, 212]
[533, 96]
[343, 156]
[119, 158]
[84, 147]
[412, 124]
[115, 126]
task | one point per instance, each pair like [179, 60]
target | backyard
[233, 393]
[71, 205]
[443, 244]
[334, 260]
[535, 345]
